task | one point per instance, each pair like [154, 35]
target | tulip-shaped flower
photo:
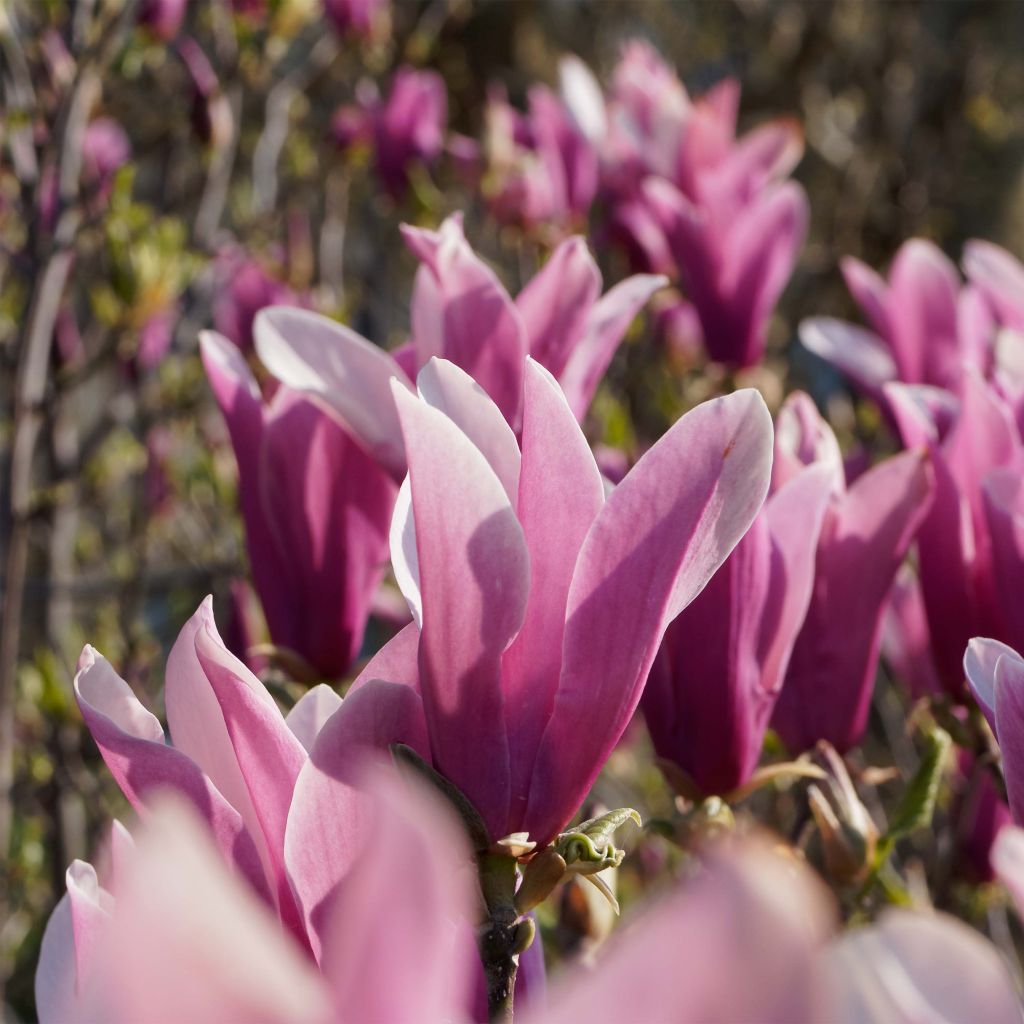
[918, 320]
[461, 312]
[967, 546]
[541, 169]
[539, 605]
[866, 533]
[316, 509]
[714, 686]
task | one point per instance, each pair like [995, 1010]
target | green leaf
[918, 804]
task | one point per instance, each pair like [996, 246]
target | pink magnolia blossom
[689, 198]
[461, 312]
[721, 667]
[316, 509]
[539, 605]
[542, 171]
[966, 545]
[867, 531]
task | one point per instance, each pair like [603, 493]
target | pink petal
[980, 660]
[188, 943]
[859, 354]
[310, 712]
[870, 292]
[607, 323]
[344, 372]
[678, 961]
[906, 641]
[57, 1000]
[866, 536]
[450, 389]
[1009, 728]
[268, 753]
[803, 438]
[198, 729]
[653, 546]
[132, 744]
[396, 662]
[328, 821]
[474, 578]
[560, 493]
[392, 952]
[1003, 501]
[556, 303]
[483, 332]
[911, 967]
[1000, 276]
[328, 506]
[1008, 862]
[90, 917]
[924, 287]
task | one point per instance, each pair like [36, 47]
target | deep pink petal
[1009, 728]
[560, 493]
[906, 641]
[652, 548]
[866, 536]
[474, 579]
[870, 292]
[1003, 499]
[330, 812]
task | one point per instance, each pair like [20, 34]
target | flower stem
[501, 936]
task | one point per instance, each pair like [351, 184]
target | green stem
[501, 937]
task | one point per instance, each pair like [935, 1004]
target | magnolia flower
[867, 530]
[246, 289]
[461, 312]
[538, 604]
[720, 670]
[966, 546]
[316, 509]
[917, 320]
[542, 170]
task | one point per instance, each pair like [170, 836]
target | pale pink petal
[803, 438]
[560, 493]
[188, 943]
[583, 98]
[1008, 862]
[1000, 276]
[391, 951]
[329, 815]
[449, 388]
[912, 967]
[474, 580]
[654, 545]
[737, 944]
[980, 661]
[858, 353]
[341, 370]
[310, 712]
[396, 662]
[57, 1000]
